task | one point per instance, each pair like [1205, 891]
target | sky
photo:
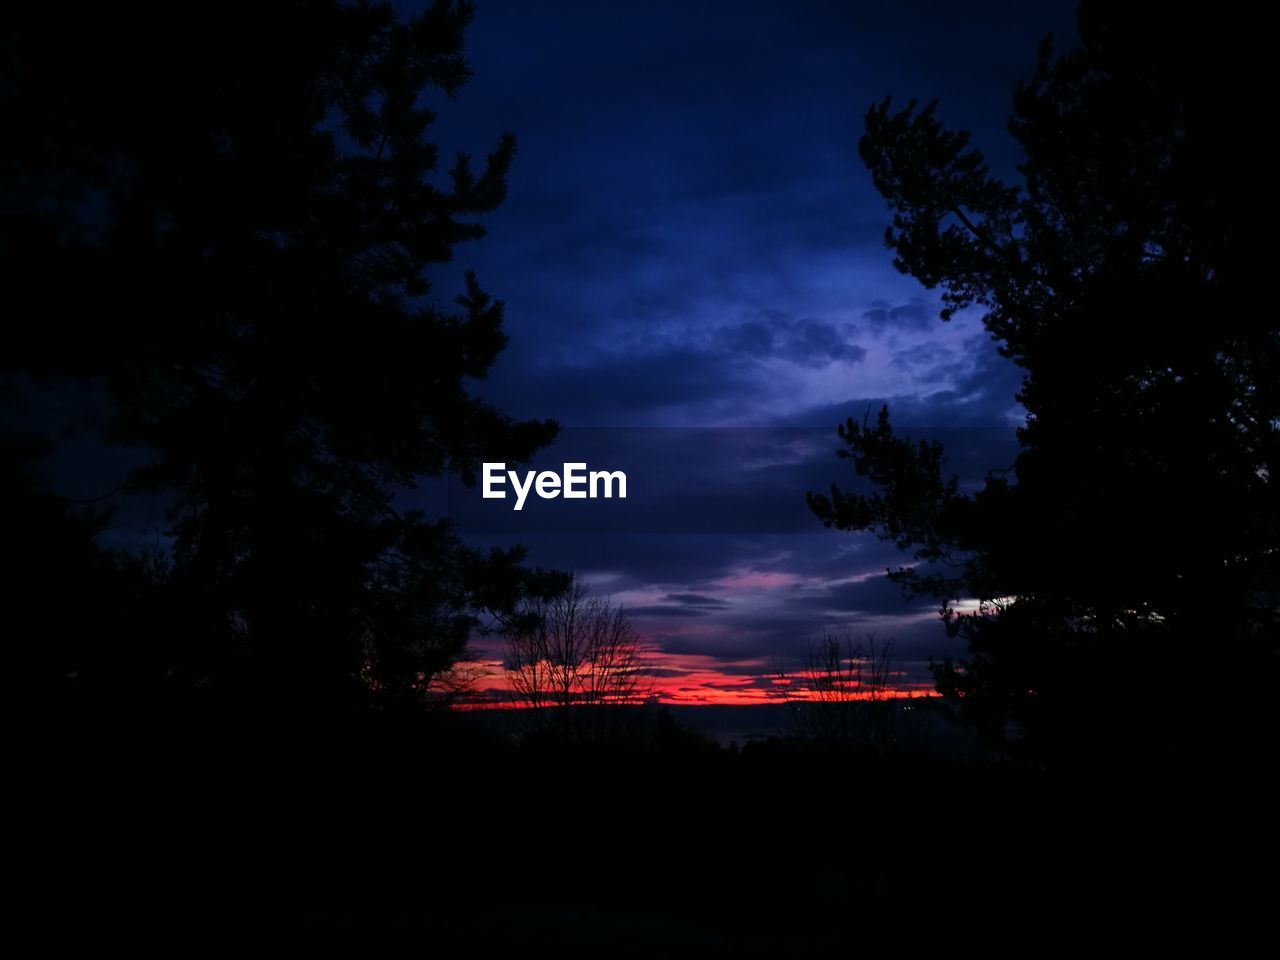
[692, 261]
[696, 286]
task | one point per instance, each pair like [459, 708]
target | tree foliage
[228, 222]
[1130, 556]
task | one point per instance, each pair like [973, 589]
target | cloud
[680, 611]
[914, 313]
[875, 596]
[695, 600]
[805, 341]
[614, 388]
[694, 250]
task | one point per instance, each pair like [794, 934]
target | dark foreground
[167, 831]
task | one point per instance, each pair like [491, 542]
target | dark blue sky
[696, 287]
[690, 241]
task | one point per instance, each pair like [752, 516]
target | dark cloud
[915, 313]
[609, 389]
[875, 595]
[802, 340]
[753, 338]
[786, 640]
[929, 360]
[679, 611]
[680, 605]
[664, 241]
[686, 206]
[993, 382]
[694, 600]
[632, 560]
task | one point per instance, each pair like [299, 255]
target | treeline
[236, 247]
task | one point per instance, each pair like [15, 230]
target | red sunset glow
[700, 680]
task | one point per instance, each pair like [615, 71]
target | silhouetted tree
[227, 228]
[1127, 564]
[842, 690]
[576, 667]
